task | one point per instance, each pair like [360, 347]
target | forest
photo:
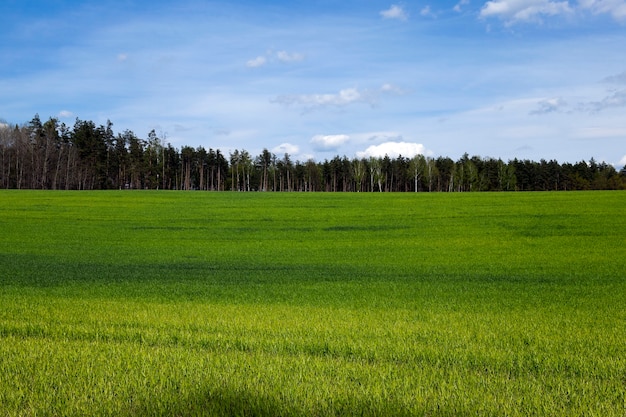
[51, 155]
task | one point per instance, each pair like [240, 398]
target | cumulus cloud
[622, 161]
[329, 142]
[513, 11]
[395, 12]
[284, 148]
[393, 150]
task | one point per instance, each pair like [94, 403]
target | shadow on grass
[215, 403]
[240, 403]
[222, 403]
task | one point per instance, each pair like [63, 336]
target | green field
[374, 304]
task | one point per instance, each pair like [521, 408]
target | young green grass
[170, 303]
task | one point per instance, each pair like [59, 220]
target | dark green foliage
[51, 156]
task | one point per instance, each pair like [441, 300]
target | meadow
[312, 304]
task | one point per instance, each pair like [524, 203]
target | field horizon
[192, 303]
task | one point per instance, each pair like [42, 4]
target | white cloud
[342, 98]
[284, 148]
[427, 12]
[257, 62]
[616, 8]
[513, 11]
[272, 57]
[622, 161]
[329, 142]
[393, 150]
[65, 114]
[122, 57]
[394, 12]
[459, 6]
[284, 56]
[392, 89]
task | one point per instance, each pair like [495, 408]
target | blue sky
[527, 79]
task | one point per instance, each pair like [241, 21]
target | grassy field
[172, 303]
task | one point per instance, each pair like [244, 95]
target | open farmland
[182, 303]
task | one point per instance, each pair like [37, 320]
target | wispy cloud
[519, 11]
[342, 98]
[613, 100]
[271, 56]
[345, 97]
[513, 11]
[65, 114]
[284, 56]
[395, 12]
[427, 12]
[549, 105]
[460, 5]
[615, 8]
[257, 62]
[392, 89]
[605, 99]
[616, 79]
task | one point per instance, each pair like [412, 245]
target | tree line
[51, 155]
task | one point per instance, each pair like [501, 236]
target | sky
[526, 79]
